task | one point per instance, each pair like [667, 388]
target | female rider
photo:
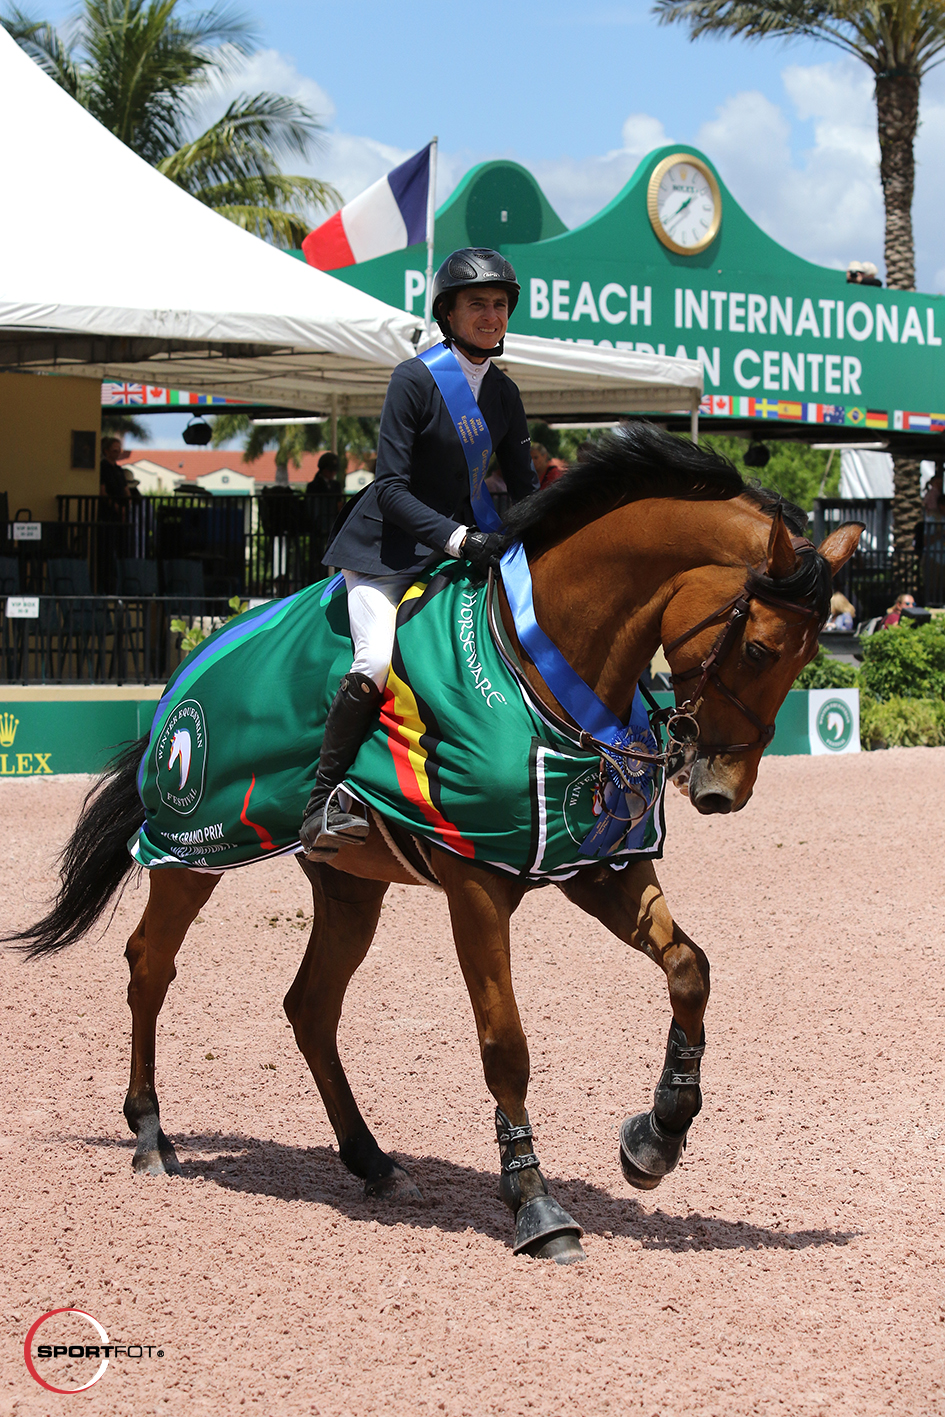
[418, 509]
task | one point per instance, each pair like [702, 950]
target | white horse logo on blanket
[181, 747]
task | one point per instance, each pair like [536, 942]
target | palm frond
[885, 35]
[46, 47]
[280, 228]
[245, 142]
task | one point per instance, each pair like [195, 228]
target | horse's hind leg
[631, 904]
[175, 898]
[347, 909]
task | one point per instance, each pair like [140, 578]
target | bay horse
[651, 540]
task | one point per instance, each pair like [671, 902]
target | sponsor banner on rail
[833, 717]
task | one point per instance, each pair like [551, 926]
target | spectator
[841, 614]
[549, 469]
[894, 613]
[323, 496]
[932, 498]
[862, 273]
[113, 484]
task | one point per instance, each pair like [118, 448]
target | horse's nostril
[712, 803]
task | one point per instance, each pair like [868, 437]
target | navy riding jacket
[420, 493]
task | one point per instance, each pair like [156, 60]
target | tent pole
[431, 219]
[694, 423]
[334, 423]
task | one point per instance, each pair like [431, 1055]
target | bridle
[680, 721]
[737, 610]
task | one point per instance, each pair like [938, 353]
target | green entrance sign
[673, 265]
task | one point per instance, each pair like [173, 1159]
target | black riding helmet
[472, 265]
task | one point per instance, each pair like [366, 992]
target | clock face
[684, 204]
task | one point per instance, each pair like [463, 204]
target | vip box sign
[833, 717]
[27, 531]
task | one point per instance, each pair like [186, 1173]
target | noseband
[736, 610]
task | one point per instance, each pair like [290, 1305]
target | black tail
[95, 860]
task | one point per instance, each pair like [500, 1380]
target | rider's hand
[483, 550]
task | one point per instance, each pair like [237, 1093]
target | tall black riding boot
[325, 826]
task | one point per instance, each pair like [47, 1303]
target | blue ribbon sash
[620, 820]
[471, 427]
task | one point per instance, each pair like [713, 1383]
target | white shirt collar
[475, 373]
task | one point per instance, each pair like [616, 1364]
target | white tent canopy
[184, 299]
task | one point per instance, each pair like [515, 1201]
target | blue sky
[579, 94]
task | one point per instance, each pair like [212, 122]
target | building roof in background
[199, 462]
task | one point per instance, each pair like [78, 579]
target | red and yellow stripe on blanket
[469, 762]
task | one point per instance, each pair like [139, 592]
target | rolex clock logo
[8, 727]
[834, 724]
[181, 758]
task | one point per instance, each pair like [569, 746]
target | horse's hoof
[635, 1176]
[648, 1151]
[154, 1154]
[563, 1249]
[397, 1186]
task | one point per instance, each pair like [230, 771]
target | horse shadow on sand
[457, 1197]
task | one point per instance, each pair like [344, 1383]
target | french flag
[388, 216]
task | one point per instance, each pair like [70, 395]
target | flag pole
[431, 218]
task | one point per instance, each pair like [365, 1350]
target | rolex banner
[459, 755]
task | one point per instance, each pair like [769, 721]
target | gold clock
[684, 204]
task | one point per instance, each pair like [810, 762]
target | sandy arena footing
[793, 1264]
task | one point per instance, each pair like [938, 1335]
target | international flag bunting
[122, 393]
[116, 395]
[856, 416]
[877, 418]
[388, 216]
[812, 413]
[789, 410]
[832, 413]
[765, 408]
[716, 405]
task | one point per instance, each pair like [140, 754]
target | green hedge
[901, 723]
[901, 682]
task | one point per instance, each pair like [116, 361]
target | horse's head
[736, 644]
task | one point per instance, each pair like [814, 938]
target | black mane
[634, 461]
[639, 460]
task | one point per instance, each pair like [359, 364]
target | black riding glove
[483, 550]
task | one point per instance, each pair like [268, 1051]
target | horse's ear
[782, 558]
[840, 545]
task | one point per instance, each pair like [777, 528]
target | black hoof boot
[543, 1228]
[651, 1143]
[647, 1151]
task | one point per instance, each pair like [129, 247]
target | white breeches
[372, 613]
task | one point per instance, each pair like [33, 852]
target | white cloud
[826, 207]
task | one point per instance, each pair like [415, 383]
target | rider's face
[480, 316]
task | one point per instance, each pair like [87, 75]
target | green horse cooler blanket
[461, 755]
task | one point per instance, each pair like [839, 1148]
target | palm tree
[292, 440]
[141, 68]
[900, 41]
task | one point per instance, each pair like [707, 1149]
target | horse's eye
[755, 653]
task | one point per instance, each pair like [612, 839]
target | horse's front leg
[174, 901]
[632, 905]
[481, 906]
